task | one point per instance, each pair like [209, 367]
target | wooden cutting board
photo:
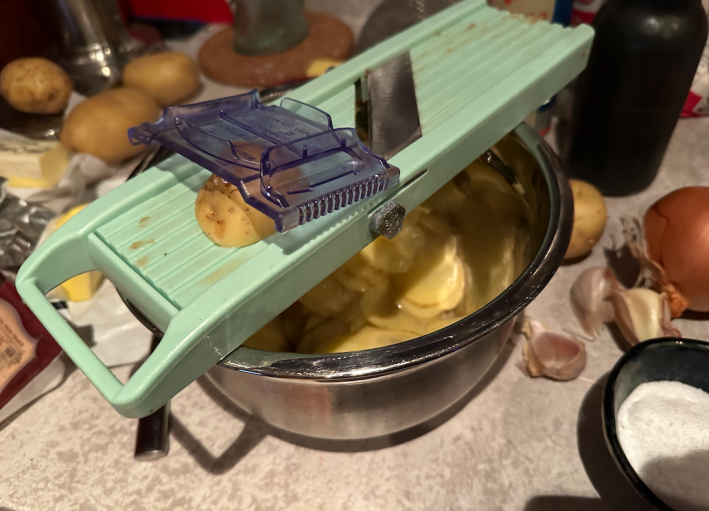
[328, 38]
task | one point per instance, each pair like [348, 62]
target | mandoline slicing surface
[461, 64]
[468, 59]
[162, 241]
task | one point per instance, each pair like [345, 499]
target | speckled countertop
[514, 444]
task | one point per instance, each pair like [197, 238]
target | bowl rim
[381, 361]
[609, 416]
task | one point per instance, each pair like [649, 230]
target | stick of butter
[32, 163]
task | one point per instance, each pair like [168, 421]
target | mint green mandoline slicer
[477, 73]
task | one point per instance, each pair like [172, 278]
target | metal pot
[381, 391]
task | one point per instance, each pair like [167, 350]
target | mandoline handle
[95, 370]
[64, 255]
[72, 250]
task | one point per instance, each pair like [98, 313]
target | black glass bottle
[630, 96]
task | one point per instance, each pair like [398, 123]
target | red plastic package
[584, 11]
[697, 104]
[205, 11]
[26, 347]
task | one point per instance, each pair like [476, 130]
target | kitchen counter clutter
[514, 444]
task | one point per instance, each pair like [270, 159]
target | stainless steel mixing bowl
[381, 391]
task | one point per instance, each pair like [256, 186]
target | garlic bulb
[589, 298]
[552, 355]
[642, 314]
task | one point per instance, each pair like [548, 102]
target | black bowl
[665, 359]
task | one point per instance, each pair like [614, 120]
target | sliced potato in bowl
[367, 338]
[448, 303]
[351, 320]
[329, 298]
[379, 306]
[269, 338]
[357, 275]
[399, 254]
[434, 276]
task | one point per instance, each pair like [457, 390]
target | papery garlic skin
[552, 355]
[589, 295]
[652, 274]
[642, 314]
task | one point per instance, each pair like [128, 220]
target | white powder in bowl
[663, 428]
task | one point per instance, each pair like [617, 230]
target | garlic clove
[589, 298]
[552, 355]
[642, 314]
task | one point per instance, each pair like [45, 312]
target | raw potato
[448, 303]
[494, 234]
[326, 329]
[379, 306]
[224, 216]
[589, 219]
[269, 338]
[448, 199]
[396, 255]
[435, 275]
[357, 275]
[36, 86]
[291, 322]
[367, 338]
[329, 298]
[99, 126]
[169, 77]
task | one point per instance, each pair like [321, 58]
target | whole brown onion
[677, 234]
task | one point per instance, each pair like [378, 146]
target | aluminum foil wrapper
[21, 225]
